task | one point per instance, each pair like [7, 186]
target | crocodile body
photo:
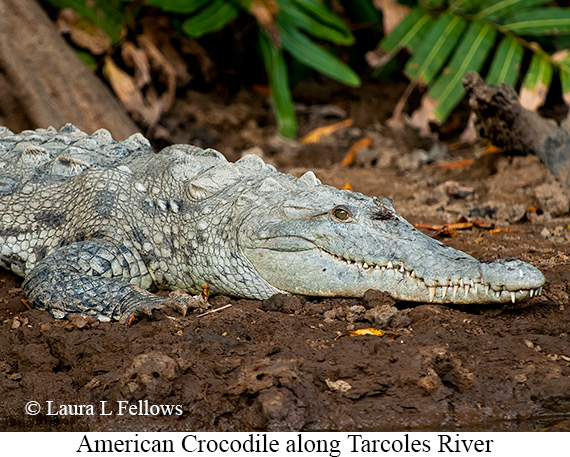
[93, 224]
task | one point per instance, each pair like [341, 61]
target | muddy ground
[278, 364]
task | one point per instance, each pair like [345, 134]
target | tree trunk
[43, 82]
[500, 118]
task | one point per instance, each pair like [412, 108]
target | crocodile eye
[341, 213]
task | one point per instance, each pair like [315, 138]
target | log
[500, 118]
[43, 82]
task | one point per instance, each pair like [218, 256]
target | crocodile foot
[178, 300]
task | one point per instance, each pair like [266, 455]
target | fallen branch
[500, 118]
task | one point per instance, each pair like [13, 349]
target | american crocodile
[92, 224]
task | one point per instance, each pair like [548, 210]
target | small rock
[373, 298]
[14, 376]
[355, 313]
[552, 198]
[381, 316]
[545, 233]
[521, 377]
[339, 385]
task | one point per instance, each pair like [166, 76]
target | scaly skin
[92, 224]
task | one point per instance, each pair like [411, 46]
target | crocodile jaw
[316, 272]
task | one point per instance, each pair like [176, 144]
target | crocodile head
[320, 241]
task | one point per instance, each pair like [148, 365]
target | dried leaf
[314, 136]
[346, 186]
[83, 32]
[392, 13]
[368, 331]
[137, 59]
[159, 64]
[132, 98]
[428, 226]
[348, 159]
[503, 230]
[424, 115]
[205, 63]
[456, 164]
[265, 12]
[483, 224]
[445, 232]
[492, 149]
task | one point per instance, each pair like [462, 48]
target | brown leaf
[392, 13]
[132, 98]
[423, 116]
[137, 59]
[456, 164]
[159, 64]
[83, 32]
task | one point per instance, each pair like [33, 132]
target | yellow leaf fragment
[368, 331]
[351, 154]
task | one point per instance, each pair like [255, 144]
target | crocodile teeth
[444, 291]
[455, 289]
[461, 282]
[413, 274]
[431, 293]
[498, 294]
[531, 292]
[520, 273]
[389, 265]
[402, 269]
[365, 265]
[513, 297]
[487, 288]
[466, 289]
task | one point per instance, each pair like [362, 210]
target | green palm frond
[307, 30]
[294, 24]
[446, 39]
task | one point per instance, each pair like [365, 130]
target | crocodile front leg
[100, 279]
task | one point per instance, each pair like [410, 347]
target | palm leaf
[436, 48]
[315, 26]
[495, 9]
[313, 55]
[539, 21]
[279, 83]
[469, 56]
[210, 19]
[536, 82]
[178, 6]
[506, 62]
[409, 33]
